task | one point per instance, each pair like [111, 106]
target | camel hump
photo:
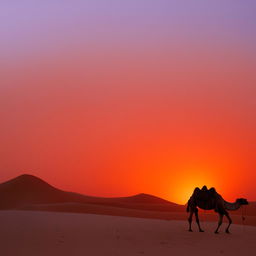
[212, 190]
[204, 194]
[197, 189]
[204, 188]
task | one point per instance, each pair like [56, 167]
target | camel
[210, 200]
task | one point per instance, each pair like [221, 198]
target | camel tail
[187, 210]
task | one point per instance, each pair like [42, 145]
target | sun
[185, 184]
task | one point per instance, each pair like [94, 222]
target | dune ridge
[28, 192]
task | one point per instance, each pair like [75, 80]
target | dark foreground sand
[60, 234]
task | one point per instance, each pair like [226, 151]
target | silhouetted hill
[29, 192]
[26, 191]
[146, 198]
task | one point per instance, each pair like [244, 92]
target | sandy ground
[60, 234]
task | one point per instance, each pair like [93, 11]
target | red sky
[155, 107]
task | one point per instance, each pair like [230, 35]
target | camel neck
[232, 206]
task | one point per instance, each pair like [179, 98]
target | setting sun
[187, 180]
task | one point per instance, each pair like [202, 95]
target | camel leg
[190, 220]
[230, 222]
[219, 224]
[197, 221]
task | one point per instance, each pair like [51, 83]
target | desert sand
[48, 233]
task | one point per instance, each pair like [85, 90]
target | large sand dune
[26, 233]
[30, 192]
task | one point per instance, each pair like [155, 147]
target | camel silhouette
[210, 200]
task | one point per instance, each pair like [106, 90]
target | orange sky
[123, 112]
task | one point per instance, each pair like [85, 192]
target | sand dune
[26, 233]
[28, 191]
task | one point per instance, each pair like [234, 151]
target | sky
[115, 98]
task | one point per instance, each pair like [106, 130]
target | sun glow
[186, 184]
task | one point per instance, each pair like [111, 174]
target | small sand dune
[27, 233]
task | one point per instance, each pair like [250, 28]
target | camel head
[242, 201]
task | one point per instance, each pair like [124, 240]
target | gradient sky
[114, 98]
